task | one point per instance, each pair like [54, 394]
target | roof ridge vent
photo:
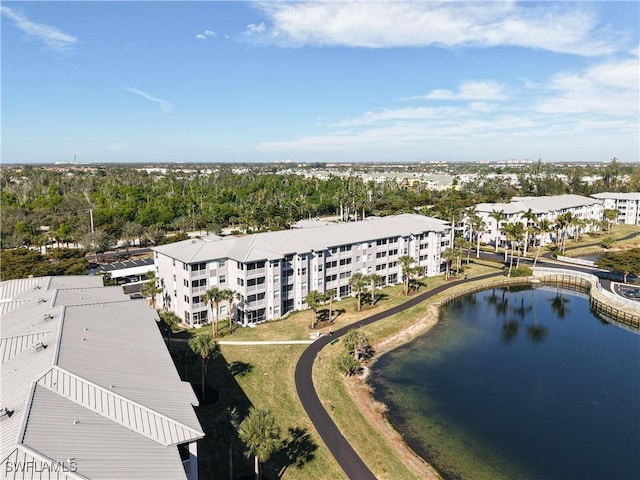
[47, 316]
[41, 300]
[38, 346]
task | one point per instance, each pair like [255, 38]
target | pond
[518, 383]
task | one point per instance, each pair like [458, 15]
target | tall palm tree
[542, 228]
[213, 297]
[478, 226]
[449, 255]
[375, 280]
[330, 295]
[150, 288]
[470, 213]
[206, 349]
[498, 216]
[229, 296]
[610, 215]
[530, 219]
[358, 282]
[405, 262]
[259, 432]
[313, 299]
[515, 234]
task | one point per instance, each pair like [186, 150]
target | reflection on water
[519, 383]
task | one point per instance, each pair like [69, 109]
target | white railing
[592, 279]
[576, 261]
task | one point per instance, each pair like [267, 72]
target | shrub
[519, 271]
[607, 242]
[348, 365]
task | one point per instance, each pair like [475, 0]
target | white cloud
[469, 91]
[610, 88]
[164, 105]
[205, 34]
[52, 37]
[568, 27]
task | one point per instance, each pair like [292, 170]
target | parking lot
[631, 292]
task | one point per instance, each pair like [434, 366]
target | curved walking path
[339, 447]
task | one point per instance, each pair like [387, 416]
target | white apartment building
[548, 207]
[627, 204]
[273, 272]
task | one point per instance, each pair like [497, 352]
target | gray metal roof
[553, 203]
[104, 361]
[617, 196]
[274, 245]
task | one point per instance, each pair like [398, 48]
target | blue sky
[329, 81]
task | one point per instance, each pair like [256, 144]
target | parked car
[635, 293]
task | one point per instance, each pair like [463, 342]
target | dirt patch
[375, 411]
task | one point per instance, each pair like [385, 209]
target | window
[223, 279]
[319, 268]
[255, 281]
[381, 254]
[334, 250]
[276, 293]
[196, 267]
[186, 299]
[199, 283]
[187, 316]
[358, 259]
[345, 248]
[332, 264]
[381, 267]
[345, 261]
[331, 278]
[344, 275]
[381, 242]
[393, 252]
[276, 278]
[174, 277]
[222, 263]
[186, 282]
[196, 299]
[240, 282]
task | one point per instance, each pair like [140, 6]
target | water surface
[526, 383]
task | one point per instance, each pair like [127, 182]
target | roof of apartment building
[545, 204]
[617, 196]
[275, 245]
[89, 383]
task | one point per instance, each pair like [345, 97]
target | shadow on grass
[221, 450]
[297, 450]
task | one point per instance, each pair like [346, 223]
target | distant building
[548, 207]
[89, 390]
[627, 204]
[273, 272]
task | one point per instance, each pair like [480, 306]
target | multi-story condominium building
[89, 390]
[273, 272]
[627, 204]
[538, 208]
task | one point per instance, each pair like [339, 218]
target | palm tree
[227, 428]
[375, 280]
[610, 215]
[213, 297]
[405, 262]
[498, 216]
[206, 349]
[259, 432]
[515, 234]
[449, 255]
[150, 288]
[229, 296]
[563, 221]
[313, 299]
[530, 218]
[542, 228]
[478, 226]
[330, 295]
[358, 282]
